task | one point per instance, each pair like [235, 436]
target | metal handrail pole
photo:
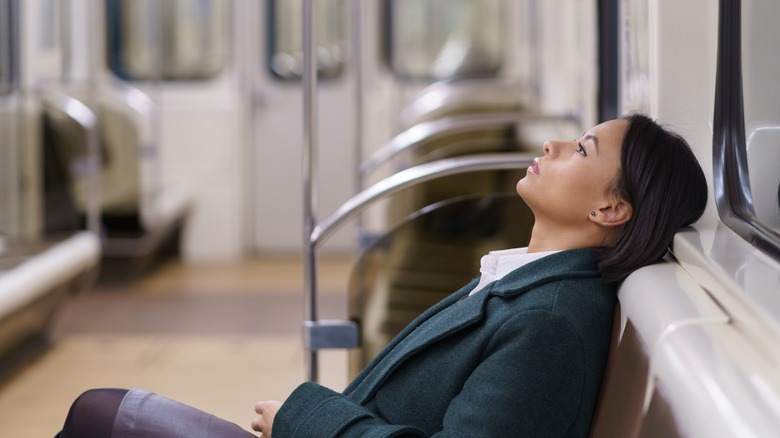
[357, 62]
[156, 15]
[15, 138]
[424, 132]
[414, 175]
[95, 193]
[309, 177]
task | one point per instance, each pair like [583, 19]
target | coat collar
[432, 326]
[574, 263]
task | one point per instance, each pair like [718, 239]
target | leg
[93, 414]
[141, 414]
[144, 414]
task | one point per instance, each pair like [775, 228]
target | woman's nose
[551, 148]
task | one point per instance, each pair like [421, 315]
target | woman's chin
[522, 190]
[522, 186]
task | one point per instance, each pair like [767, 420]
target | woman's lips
[534, 168]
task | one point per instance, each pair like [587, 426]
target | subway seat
[34, 279]
[679, 366]
[141, 214]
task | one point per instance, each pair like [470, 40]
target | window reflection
[170, 40]
[286, 55]
[441, 39]
[761, 95]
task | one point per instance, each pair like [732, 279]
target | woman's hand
[265, 420]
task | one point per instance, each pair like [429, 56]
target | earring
[592, 213]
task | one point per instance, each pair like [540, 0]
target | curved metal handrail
[135, 99]
[438, 97]
[419, 134]
[75, 109]
[413, 175]
[82, 115]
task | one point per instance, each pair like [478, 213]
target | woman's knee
[93, 413]
[100, 398]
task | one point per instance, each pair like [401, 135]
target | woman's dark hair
[662, 180]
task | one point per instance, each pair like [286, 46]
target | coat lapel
[453, 315]
[447, 319]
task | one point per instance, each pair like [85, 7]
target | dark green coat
[523, 357]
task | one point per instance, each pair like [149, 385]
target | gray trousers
[148, 415]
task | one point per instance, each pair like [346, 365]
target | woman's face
[573, 177]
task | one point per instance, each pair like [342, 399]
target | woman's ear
[613, 214]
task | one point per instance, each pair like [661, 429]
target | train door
[273, 55]
[179, 55]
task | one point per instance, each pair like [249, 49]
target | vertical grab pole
[357, 61]
[309, 177]
[94, 205]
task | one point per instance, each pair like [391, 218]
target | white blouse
[496, 264]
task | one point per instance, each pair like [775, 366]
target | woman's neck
[555, 238]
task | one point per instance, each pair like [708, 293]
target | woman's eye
[582, 150]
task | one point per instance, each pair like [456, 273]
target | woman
[519, 351]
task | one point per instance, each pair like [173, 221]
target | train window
[8, 40]
[286, 44]
[444, 39]
[170, 40]
[746, 141]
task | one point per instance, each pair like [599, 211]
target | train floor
[217, 337]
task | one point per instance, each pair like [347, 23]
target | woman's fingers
[256, 426]
[264, 421]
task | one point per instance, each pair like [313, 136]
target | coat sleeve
[529, 383]
[315, 411]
